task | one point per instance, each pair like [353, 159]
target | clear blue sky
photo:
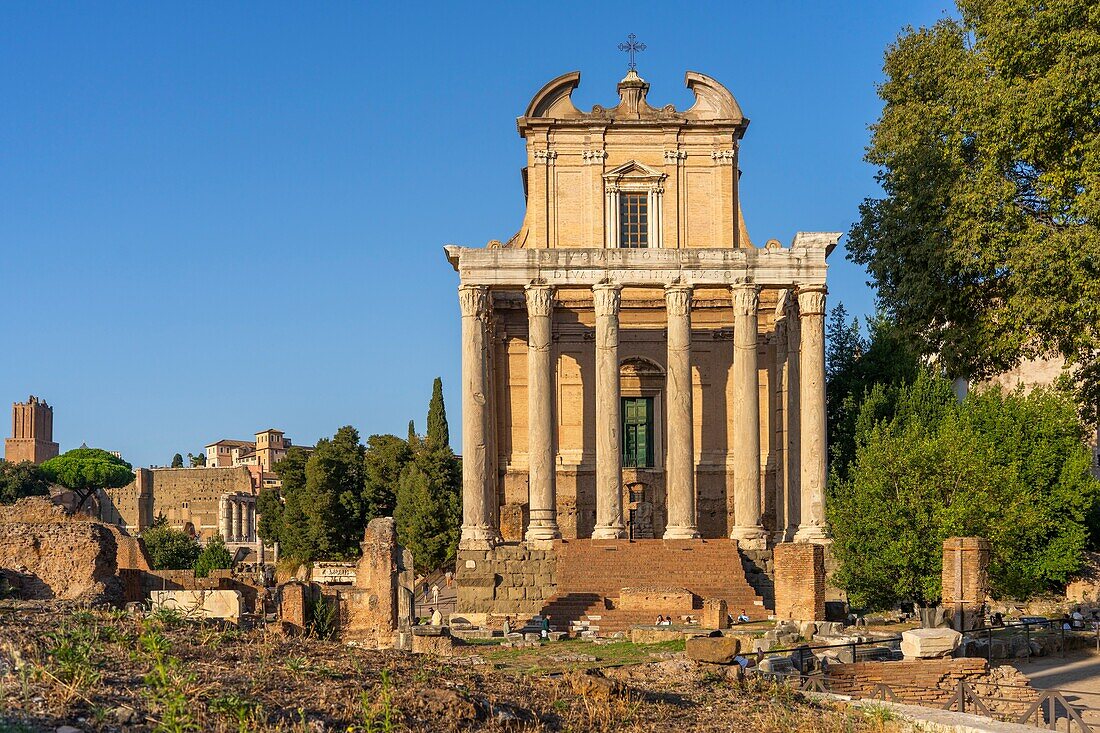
[220, 217]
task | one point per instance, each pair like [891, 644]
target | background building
[31, 432]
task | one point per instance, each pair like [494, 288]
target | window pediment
[633, 174]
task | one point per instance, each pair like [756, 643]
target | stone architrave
[609, 501]
[543, 521]
[680, 451]
[478, 529]
[748, 529]
[811, 309]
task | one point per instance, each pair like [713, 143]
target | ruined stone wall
[47, 553]
[965, 580]
[933, 682]
[799, 581]
[186, 496]
[507, 579]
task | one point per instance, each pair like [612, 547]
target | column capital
[540, 300]
[811, 300]
[473, 299]
[606, 298]
[678, 299]
[746, 299]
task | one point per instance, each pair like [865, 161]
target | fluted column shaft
[680, 449]
[609, 497]
[478, 529]
[238, 534]
[811, 307]
[543, 524]
[748, 529]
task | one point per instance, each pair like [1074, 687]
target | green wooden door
[637, 432]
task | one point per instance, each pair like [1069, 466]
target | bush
[169, 549]
[215, 556]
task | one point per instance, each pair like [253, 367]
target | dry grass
[103, 671]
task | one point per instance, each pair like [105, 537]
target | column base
[542, 533]
[680, 533]
[609, 533]
[812, 533]
[478, 538]
[781, 536]
[750, 538]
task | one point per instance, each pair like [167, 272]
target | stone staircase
[591, 574]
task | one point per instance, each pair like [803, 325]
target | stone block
[929, 643]
[223, 604]
[655, 599]
[716, 614]
[654, 634]
[713, 649]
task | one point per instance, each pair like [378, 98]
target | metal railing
[1068, 710]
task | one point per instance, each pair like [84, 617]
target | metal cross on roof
[632, 47]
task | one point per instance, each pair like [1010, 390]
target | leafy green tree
[429, 507]
[269, 515]
[85, 471]
[214, 556]
[334, 486]
[196, 460]
[438, 432]
[169, 549]
[21, 479]
[1008, 467]
[385, 458]
[293, 534]
[177, 461]
[985, 248]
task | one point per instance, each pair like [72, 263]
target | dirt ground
[108, 671]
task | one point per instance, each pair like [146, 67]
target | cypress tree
[413, 440]
[438, 433]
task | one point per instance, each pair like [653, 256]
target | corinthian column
[478, 530]
[238, 533]
[748, 529]
[680, 461]
[811, 307]
[543, 524]
[609, 459]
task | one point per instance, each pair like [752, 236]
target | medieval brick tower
[31, 432]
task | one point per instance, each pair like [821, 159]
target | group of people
[544, 626]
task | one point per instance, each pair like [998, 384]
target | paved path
[1078, 671]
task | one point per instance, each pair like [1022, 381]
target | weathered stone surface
[58, 555]
[800, 581]
[654, 634]
[716, 614]
[656, 599]
[223, 604]
[929, 643]
[713, 649]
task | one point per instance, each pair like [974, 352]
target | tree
[215, 556]
[438, 432]
[85, 471]
[196, 460]
[21, 479]
[429, 508]
[985, 247]
[177, 461]
[169, 549]
[293, 535]
[334, 486]
[1008, 467]
[269, 515]
[385, 458]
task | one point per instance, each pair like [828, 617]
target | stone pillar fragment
[223, 519]
[609, 460]
[811, 308]
[748, 529]
[965, 580]
[680, 449]
[799, 582]
[238, 531]
[792, 469]
[478, 529]
[543, 522]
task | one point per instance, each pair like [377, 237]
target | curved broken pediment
[712, 100]
[555, 98]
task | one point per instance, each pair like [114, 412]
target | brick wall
[965, 579]
[799, 581]
[933, 682]
[183, 495]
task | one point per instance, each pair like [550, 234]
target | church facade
[634, 367]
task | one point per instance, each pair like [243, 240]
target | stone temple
[643, 392]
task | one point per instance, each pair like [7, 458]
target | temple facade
[633, 366]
